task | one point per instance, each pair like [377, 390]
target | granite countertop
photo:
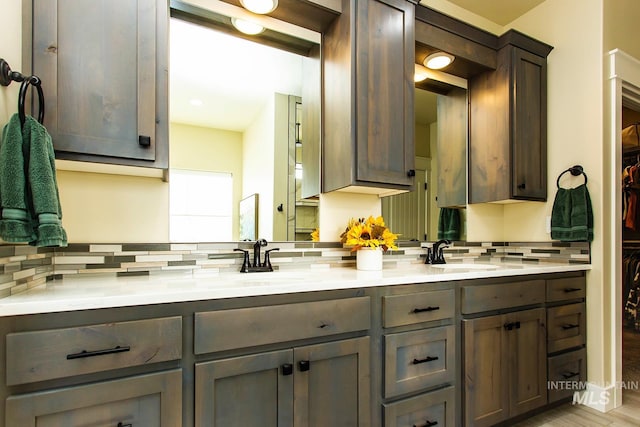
[97, 292]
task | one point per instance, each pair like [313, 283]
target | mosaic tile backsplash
[24, 267]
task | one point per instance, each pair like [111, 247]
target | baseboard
[600, 398]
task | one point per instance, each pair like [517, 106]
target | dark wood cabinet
[368, 64]
[103, 65]
[504, 366]
[452, 148]
[508, 124]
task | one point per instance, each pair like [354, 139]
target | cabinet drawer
[564, 289]
[398, 310]
[566, 372]
[566, 327]
[248, 327]
[145, 400]
[424, 410]
[57, 353]
[476, 299]
[418, 359]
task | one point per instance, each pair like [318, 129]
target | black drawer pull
[304, 365]
[287, 369]
[422, 310]
[569, 326]
[428, 424]
[85, 353]
[124, 425]
[428, 359]
[568, 375]
[512, 325]
[568, 290]
[522, 186]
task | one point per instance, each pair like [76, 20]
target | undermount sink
[465, 266]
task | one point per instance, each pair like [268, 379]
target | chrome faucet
[435, 255]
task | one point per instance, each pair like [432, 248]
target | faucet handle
[429, 257]
[246, 264]
[267, 258]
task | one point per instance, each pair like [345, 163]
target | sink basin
[465, 266]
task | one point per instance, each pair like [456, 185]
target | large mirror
[236, 132]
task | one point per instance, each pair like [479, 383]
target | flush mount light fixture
[420, 73]
[438, 60]
[259, 6]
[247, 27]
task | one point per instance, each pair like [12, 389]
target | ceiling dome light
[438, 60]
[420, 73]
[260, 6]
[247, 27]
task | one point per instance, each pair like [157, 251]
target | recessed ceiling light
[259, 6]
[420, 73]
[438, 60]
[196, 102]
[247, 27]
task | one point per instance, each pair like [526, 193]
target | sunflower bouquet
[369, 233]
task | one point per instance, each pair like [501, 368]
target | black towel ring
[575, 171]
[34, 81]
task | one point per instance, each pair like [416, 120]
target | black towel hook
[7, 76]
[575, 171]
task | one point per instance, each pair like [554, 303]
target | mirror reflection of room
[235, 130]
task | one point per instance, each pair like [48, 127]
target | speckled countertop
[96, 292]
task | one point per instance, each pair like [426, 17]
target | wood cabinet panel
[434, 408]
[566, 288]
[407, 309]
[149, 400]
[452, 148]
[418, 359]
[250, 327]
[566, 373]
[105, 90]
[567, 327]
[476, 299]
[57, 353]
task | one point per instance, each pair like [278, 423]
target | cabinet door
[245, 391]
[485, 371]
[332, 384]
[452, 148]
[529, 131]
[148, 400]
[526, 355]
[97, 61]
[385, 91]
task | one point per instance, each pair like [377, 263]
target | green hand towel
[43, 186]
[572, 215]
[449, 224]
[15, 224]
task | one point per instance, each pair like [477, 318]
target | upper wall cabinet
[368, 64]
[103, 65]
[508, 124]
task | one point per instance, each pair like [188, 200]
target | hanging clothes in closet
[631, 287]
[631, 193]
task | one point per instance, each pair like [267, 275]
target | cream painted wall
[621, 26]
[339, 207]
[258, 156]
[205, 149]
[11, 24]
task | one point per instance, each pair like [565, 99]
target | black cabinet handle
[570, 375]
[428, 359]
[511, 326]
[522, 186]
[144, 141]
[518, 325]
[287, 369]
[124, 425]
[428, 424]
[422, 310]
[304, 365]
[568, 290]
[85, 353]
[411, 172]
[569, 326]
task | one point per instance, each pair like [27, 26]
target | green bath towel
[28, 188]
[449, 224]
[572, 215]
